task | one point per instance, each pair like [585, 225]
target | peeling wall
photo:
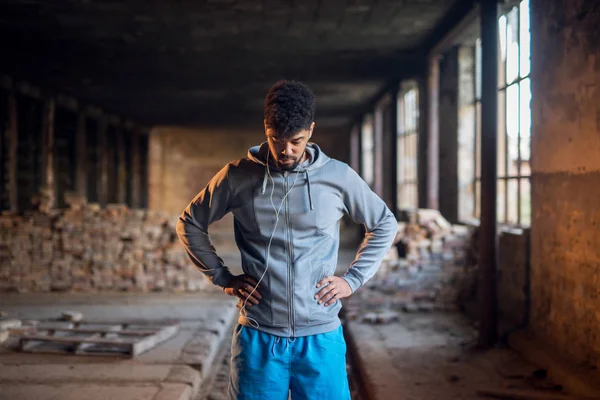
[565, 234]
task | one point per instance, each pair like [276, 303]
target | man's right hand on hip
[243, 287]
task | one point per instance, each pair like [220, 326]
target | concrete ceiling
[211, 62]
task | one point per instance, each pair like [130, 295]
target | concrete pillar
[81, 172]
[448, 135]
[355, 147]
[565, 148]
[121, 166]
[426, 149]
[144, 170]
[393, 148]
[12, 144]
[385, 171]
[430, 122]
[102, 187]
[135, 169]
[378, 153]
[49, 181]
[488, 237]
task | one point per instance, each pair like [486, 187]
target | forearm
[201, 252]
[374, 247]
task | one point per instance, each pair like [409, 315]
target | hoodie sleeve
[210, 205]
[365, 207]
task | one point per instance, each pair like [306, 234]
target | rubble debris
[384, 317]
[410, 307]
[22, 330]
[74, 316]
[9, 323]
[431, 267]
[4, 335]
[88, 249]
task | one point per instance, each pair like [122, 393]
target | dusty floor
[175, 369]
[433, 356]
[422, 356]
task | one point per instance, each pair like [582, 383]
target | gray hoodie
[304, 240]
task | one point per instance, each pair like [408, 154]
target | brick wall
[85, 248]
[565, 234]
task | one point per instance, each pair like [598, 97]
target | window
[514, 101]
[514, 124]
[408, 129]
[368, 150]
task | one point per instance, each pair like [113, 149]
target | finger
[324, 291]
[250, 280]
[327, 279]
[252, 289]
[332, 300]
[245, 296]
[329, 296]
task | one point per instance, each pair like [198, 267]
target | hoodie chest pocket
[288, 205]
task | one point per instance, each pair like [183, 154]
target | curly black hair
[289, 107]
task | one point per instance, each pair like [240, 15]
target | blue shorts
[268, 367]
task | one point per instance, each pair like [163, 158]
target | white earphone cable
[277, 212]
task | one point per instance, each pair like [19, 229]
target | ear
[312, 128]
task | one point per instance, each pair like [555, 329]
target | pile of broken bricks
[430, 267]
[85, 248]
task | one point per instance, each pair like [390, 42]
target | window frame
[407, 169]
[504, 178]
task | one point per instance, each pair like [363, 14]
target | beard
[285, 165]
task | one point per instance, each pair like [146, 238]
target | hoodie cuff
[221, 276]
[353, 282]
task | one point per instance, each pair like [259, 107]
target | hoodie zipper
[290, 254]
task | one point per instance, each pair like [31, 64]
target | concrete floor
[421, 356]
[179, 368]
[433, 356]
[174, 369]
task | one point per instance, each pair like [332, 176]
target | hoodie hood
[258, 154]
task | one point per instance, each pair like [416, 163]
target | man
[287, 198]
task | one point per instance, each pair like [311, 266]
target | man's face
[288, 152]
